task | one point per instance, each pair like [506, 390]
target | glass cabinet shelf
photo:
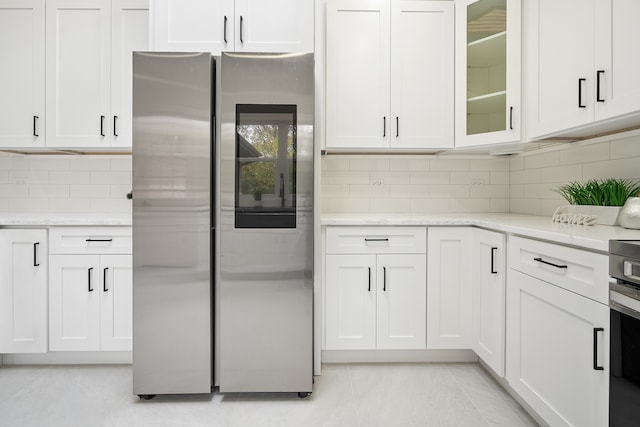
[487, 51]
[489, 103]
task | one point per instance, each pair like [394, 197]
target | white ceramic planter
[607, 215]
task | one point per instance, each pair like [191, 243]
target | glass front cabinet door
[487, 72]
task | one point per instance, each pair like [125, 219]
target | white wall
[414, 184]
[534, 175]
[65, 183]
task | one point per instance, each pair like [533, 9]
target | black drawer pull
[99, 240]
[376, 240]
[549, 263]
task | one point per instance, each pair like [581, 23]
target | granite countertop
[594, 237]
[60, 219]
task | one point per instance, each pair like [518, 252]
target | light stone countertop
[59, 219]
[595, 237]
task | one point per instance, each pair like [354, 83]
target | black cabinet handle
[510, 118]
[493, 252]
[598, 74]
[397, 127]
[89, 280]
[35, 254]
[580, 81]
[99, 240]
[369, 279]
[384, 278]
[549, 263]
[224, 35]
[102, 126]
[595, 349]
[115, 129]
[376, 240]
[384, 127]
[104, 279]
[241, 22]
[35, 125]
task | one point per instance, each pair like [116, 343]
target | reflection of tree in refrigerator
[258, 174]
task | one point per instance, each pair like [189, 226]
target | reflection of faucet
[282, 199]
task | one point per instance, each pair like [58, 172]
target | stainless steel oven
[624, 301]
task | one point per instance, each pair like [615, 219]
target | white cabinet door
[74, 303]
[193, 25]
[23, 291]
[554, 346]
[488, 72]
[116, 306]
[78, 75]
[559, 65]
[129, 32]
[274, 25]
[449, 252]
[358, 74]
[401, 301]
[488, 318]
[350, 302]
[422, 98]
[616, 68]
[22, 75]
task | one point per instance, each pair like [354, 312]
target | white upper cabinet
[22, 82]
[488, 67]
[581, 74]
[389, 71]
[84, 52]
[228, 25]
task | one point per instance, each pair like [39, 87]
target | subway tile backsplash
[65, 183]
[522, 183]
[414, 184]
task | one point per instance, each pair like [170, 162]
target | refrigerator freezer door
[172, 292]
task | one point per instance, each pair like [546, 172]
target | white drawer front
[376, 240]
[577, 270]
[90, 240]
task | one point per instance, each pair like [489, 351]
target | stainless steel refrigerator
[222, 164]
[265, 288]
[173, 100]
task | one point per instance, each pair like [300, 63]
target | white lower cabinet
[90, 292]
[449, 298]
[23, 291]
[375, 300]
[488, 313]
[557, 352]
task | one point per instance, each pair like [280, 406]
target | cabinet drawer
[376, 240]
[90, 240]
[577, 270]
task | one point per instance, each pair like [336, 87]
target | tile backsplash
[65, 183]
[414, 184]
[521, 183]
[534, 176]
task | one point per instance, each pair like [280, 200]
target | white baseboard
[69, 358]
[380, 356]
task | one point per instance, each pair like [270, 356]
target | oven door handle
[620, 303]
[627, 270]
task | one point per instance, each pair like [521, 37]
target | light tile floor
[344, 395]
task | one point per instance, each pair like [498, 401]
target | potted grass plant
[602, 198]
